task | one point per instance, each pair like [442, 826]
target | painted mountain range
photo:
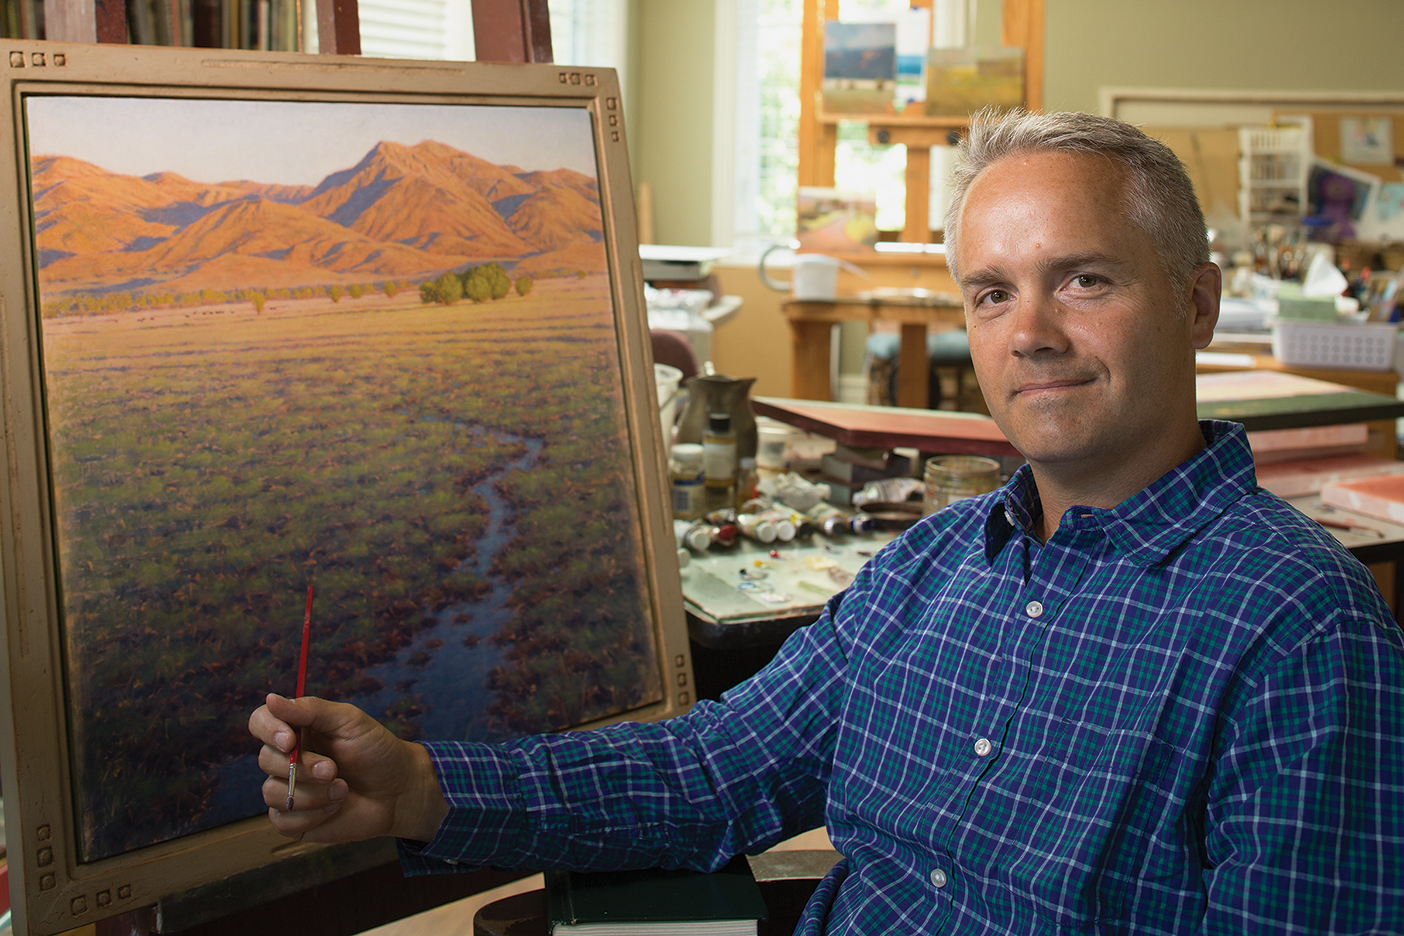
[402, 212]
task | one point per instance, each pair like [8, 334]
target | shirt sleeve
[724, 778]
[1304, 824]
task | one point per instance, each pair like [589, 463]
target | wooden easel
[503, 31]
[1021, 25]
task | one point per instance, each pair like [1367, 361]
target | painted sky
[294, 142]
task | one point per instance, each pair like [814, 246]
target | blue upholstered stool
[943, 349]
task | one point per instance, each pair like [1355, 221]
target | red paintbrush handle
[302, 666]
[306, 634]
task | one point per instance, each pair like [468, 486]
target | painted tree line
[488, 281]
[107, 303]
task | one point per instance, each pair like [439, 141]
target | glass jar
[719, 448]
[686, 472]
[951, 478]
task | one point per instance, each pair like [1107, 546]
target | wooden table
[1380, 546]
[1223, 357]
[812, 320]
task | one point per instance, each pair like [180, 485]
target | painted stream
[451, 677]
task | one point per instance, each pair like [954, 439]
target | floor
[456, 919]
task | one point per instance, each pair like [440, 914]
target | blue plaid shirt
[1183, 714]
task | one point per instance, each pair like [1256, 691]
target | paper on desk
[1322, 278]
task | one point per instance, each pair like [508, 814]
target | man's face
[1083, 346]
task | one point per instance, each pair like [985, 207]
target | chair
[944, 350]
[672, 348]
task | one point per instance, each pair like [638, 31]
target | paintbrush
[301, 686]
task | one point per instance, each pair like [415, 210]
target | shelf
[898, 120]
[861, 258]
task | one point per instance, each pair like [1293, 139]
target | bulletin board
[1210, 155]
[1328, 139]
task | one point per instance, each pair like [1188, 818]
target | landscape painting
[368, 347]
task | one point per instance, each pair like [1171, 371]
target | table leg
[918, 227]
[809, 360]
[912, 367]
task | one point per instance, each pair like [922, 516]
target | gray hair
[1159, 196]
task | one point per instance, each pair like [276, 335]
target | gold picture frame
[210, 397]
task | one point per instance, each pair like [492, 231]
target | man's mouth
[1050, 385]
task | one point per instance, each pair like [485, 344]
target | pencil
[301, 687]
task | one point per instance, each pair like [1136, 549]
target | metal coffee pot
[714, 393]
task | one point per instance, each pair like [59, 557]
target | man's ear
[1204, 290]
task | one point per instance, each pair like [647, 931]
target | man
[1129, 692]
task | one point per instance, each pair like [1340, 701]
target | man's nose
[1039, 323]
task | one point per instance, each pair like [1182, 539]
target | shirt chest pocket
[1080, 815]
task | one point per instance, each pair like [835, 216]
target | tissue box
[1306, 308]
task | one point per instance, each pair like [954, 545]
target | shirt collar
[1152, 523]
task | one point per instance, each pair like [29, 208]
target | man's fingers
[271, 730]
[308, 796]
[301, 824]
[335, 720]
[310, 765]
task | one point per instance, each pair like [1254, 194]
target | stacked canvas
[1297, 462]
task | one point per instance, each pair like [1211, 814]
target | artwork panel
[400, 381]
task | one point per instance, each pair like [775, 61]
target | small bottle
[719, 446]
[745, 480]
[685, 470]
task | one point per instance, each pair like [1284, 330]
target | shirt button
[938, 877]
[982, 747]
[1034, 608]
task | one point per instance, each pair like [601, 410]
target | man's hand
[361, 782]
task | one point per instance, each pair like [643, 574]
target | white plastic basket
[1348, 346]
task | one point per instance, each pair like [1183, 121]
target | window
[424, 29]
[583, 32]
[764, 113]
[762, 110]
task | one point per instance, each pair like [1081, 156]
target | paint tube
[834, 522]
[724, 535]
[785, 528]
[692, 535]
[831, 521]
[804, 524]
[724, 526]
[756, 527]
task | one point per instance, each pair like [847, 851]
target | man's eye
[995, 296]
[1087, 280]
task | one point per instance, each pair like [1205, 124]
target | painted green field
[209, 463]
